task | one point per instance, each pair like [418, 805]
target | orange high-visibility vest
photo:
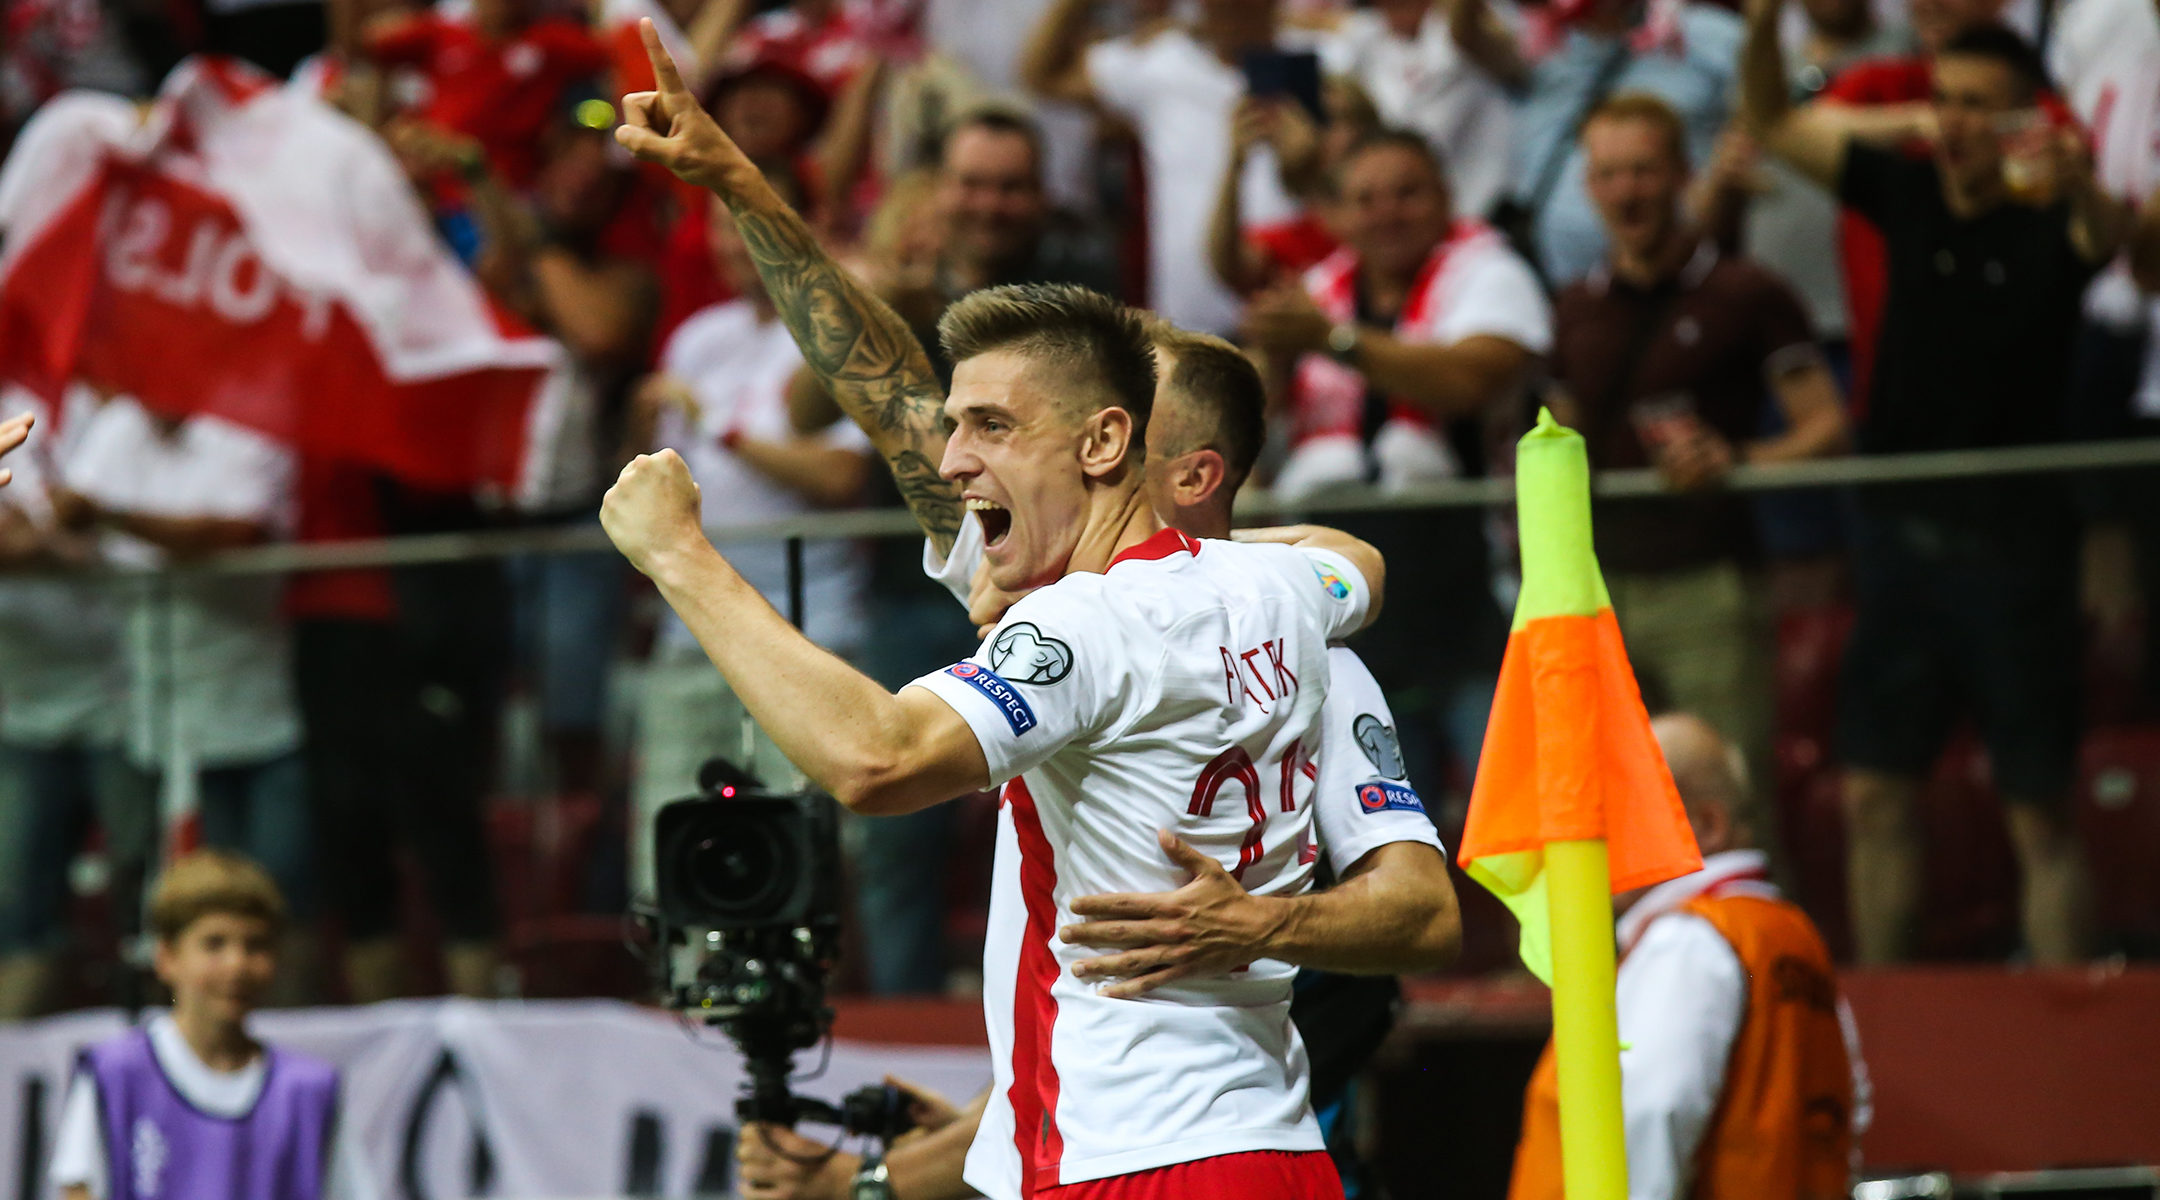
[1782, 1130]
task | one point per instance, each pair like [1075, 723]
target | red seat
[2118, 816]
[1810, 654]
[541, 851]
[1968, 901]
[575, 956]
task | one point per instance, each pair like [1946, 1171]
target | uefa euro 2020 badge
[147, 1146]
[1332, 581]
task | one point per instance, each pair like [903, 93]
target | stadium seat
[1810, 653]
[2118, 816]
[1968, 904]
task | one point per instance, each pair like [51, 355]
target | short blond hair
[1650, 110]
[1074, 329]
[1226, 393]
[208, 882]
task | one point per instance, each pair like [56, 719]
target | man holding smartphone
[1177, 86]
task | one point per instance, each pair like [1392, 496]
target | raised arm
[1812, 137]
[1054, 65]
[870, 363]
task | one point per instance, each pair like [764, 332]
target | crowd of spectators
[1705, 237]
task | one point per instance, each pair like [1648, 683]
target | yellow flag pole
[1586, 1028]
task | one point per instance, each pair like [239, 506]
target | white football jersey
[1179, 690]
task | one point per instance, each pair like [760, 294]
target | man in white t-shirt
[1177, 86]
[61, 694]
[1426, 77]
[720, 400]
[1143, 656]
[210, 657]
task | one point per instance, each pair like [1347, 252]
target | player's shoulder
[303, 1069]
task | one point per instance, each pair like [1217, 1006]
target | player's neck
[1118, 520]
[221, 1045]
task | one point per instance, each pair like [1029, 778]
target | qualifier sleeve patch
[1014, 709]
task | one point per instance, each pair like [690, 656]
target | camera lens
[736, 868]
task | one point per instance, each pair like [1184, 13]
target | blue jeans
[569, 608]
[261, 810]
[47, 797]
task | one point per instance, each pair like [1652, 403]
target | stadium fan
[1662, 356]
[1206, 430]
[189, 1106]
[1966, 592]
[159, 490]
[60, 727]
[1057, 489]
[1405, 347]
[1177, 85]
[1250, 257]
[1884, 101]
[1580, 52]
[498, 76]
[1442, 71]
[1740, 1068]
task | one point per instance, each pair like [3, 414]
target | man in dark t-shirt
[1966, 591]
[1664, 356]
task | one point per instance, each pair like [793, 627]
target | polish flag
[242, 249]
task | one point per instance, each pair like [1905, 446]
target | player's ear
[1197, 476]
[1106, 441]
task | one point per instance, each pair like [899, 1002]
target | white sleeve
[1117, 74]
[1338, 592]
[78, 1157]
[1682, 994]
[957, 569]
[260, 479]
[1058, 669]
[1498, 297]
[1362, 798]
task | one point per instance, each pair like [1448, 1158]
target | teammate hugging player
[1146, 674]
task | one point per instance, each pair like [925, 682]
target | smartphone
[1271, 74]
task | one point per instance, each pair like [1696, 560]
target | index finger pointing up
[668, 79]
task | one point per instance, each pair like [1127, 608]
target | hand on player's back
[668, 126]
[1211, 926]
[652, 509]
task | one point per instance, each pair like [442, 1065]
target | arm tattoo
[871, 363]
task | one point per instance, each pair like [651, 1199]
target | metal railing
[1852, 471]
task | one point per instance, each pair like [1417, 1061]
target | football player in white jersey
[1204, 434]
[1147, 675]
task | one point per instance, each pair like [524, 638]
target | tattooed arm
[868, 359]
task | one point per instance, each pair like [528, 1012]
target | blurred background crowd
[1709, 238]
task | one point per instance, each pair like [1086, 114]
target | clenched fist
[653, 509]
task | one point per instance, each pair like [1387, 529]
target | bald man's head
[1711, 775]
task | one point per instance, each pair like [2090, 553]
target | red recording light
[727, 792]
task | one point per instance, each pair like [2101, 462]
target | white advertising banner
[457, 1098]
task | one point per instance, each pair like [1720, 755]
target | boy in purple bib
[188, 1106]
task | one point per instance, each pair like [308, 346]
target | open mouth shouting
[996, 520]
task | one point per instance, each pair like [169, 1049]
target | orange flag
[1568, 751]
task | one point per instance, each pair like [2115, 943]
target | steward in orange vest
[1739, 1078]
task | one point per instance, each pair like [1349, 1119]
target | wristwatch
[1342, 342]
[870, 1183]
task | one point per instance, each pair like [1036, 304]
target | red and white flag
[245, 250]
